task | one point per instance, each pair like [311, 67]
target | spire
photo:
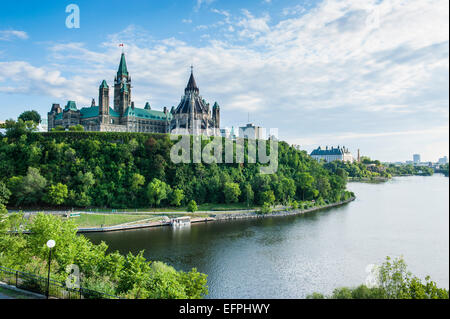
[104, 85]
[192, 86]
[122, 67]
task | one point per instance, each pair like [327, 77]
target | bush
[266, 209]
[192, 206]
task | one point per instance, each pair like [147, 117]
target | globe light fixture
[50, 244]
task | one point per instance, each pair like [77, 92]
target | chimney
[132, 105]
[165, 110]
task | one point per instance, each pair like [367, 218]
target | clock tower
[122, 87]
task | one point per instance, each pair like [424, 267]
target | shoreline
[219, 217]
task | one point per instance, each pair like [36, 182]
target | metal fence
[57, 289]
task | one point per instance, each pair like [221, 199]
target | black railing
[57, 289]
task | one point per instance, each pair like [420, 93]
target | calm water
[290, 257]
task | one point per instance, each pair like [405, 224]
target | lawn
[96, 220]
[201, 207]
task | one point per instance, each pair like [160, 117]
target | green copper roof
[87, 112]
[122, 67]
[147, 114]
[216, 106]
[104, 85]
[71, 105]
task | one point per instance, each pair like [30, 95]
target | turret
[216, 115]
[103, 102]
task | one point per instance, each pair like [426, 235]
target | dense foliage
[33, 116]
[392, 281]
[122, 170]
[129, 276]
[368, 169]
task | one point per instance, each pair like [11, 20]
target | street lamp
[50, 244]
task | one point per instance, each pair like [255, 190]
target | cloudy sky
[372, 75]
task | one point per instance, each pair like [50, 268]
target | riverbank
[214, 217]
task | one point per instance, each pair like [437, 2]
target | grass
[201, 207]
[96, 220]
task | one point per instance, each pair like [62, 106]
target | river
[291, 257]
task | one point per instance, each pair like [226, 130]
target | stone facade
[332, 154]
[192, 114]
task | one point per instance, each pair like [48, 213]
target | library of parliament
[193, 115]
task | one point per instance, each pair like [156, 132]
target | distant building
[251, 131]
[416, 158]
[443, 160]
[43, 126]
[332, 154]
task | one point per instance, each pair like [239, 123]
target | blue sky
[369, 74]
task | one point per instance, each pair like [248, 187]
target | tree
[16, 129]
[393, 281]
[304, 182]
[176, 197]
[248, 194]
[30, 116]
[266, 209]
[56, 194]
[268, 197]
[30, 188]
[77, 128]
[5, 193]
[157, 191]
[231, 192]
[137, 180]
[192, 206]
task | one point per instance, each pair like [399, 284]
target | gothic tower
[122, 87]
[216, 115]
[103, 103]
[193, 113]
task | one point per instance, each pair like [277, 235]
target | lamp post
[50, 244]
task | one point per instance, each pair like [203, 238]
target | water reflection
[291, 257]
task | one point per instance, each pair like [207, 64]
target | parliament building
[192, 116]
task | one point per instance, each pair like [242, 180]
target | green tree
[231, 192]
[176, 197]
[56, 194]
[5, 193]
[304, 182]
[77, 128]
[266, 209]
[268, 197]
[30, 188]
[30, 116]
[192, 206]
[248, 194]
[157, 191]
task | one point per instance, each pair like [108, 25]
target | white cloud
[8, 35]
[372, 67]
[201, 3]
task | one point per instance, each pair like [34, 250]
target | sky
[370, 75]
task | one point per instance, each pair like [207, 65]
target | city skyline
[322, 72]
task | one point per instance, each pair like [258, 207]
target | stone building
[193, 115]
[193, 112]
[332, 154]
